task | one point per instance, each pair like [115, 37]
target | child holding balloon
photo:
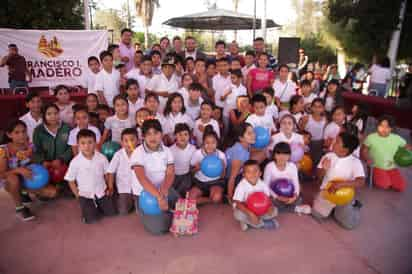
[340, 173]
[379, 149]
[287, 134]
[205, 119]
[250, 184]
[208, 188]
[153, 164]
[15, 156]
[87, 179]
[281, 176]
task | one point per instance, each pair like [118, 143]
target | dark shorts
[206, 186]
[183, 183]
[95, 209]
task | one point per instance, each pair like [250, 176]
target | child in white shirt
[271, 108]
[153, 165]
[338, 169]
[81, 119]
[107, 84]
[174, 113]
[221, 82]
[187, 80]
[206, 113]
[86, 177]
[32, 118]
[307, 92]
[90, 75]
[135, 103]
[119, 121]
[281, 168]
[333, 129]
[120, 167]
[207, 189]
[251, 183]
[194, 100]
[287, 133]
[182, 152]
[142, 75]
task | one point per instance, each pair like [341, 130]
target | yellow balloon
[342, 196]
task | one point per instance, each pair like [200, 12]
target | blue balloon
[39, 179]
[211, 166]
[262, 137]
[148, 204]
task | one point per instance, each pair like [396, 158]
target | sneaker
[25, 199]
[303, 209]
[271, 224]
[25, 214]
[243, 226]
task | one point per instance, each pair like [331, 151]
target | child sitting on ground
[338, 169]
[379, 150]
[251, 183]
[93, 191]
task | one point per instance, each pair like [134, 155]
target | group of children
[166, 127]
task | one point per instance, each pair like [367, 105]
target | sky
[281, 11]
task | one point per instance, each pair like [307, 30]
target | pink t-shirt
[261, 78]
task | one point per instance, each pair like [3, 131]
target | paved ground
[57, 243]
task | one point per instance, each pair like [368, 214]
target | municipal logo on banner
[49, 49]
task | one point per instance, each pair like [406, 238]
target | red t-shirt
[261, 78]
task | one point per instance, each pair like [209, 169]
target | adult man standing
[177, 45]
[126, 48]
[191, 49]
[17, 68]
[234, 53]
[259, 46]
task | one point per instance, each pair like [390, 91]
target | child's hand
[326, 163]
[163, 203]
[25, 172]
[253, 218]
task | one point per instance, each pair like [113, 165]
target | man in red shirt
[17, 68]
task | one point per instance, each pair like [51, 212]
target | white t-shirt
[140, 78]
[88, 174]
[126, 180]
[199, 135]
[230, 102]
[171, 120]
[290, 172]
[89, 81]
[331, 131]
[281, 137]
[133, 74]
[315, 128]
[198, 157]
[31, 124]
[193, 110]
[244, 189]
[185, 94]
[134, 107]
[72, 141]
[379, 75]
[346, 168]
[109, 84]
[284, 91]
[220, 84]
[245, 70]
[297, 115]
[308, 100]
[265, 121]
[116, 126]
[182, 158]
[273, 111]
[160, 83]
[154, 163]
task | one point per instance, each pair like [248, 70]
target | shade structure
[218, 19]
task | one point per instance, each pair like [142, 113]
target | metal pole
[264, 20]
[129, 19]
[394, 43]
[254, 19]
[86, 14]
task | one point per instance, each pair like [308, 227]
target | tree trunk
[146, 37]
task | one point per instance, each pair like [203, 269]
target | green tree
[364, 27]
[110, 19]
[42, 14]
[317, 50]
[145, 10]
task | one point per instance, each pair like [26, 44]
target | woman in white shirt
[380, 75]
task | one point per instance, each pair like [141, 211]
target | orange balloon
[342, 196]
[306, 164]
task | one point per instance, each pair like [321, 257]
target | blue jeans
[17, 83]
[380, 89]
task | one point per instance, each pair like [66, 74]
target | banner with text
[53, 56]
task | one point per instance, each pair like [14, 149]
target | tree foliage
[110, 19]
[41, 14]
[317, 50]
[364, 27]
